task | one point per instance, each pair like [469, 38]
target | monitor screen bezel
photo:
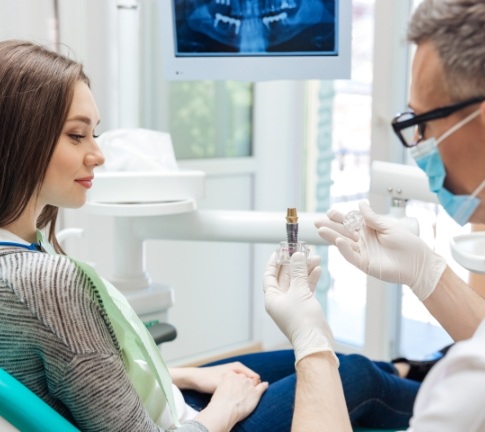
[260, 67]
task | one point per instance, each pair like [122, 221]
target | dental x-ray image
[255, 27]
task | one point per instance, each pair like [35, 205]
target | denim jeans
[375, 395]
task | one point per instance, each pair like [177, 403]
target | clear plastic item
[286, 250]
[353, 220]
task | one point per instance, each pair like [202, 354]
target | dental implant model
[353, 220]
[292, 226]
[292, 245]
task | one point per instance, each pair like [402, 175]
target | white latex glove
[294, 308]
[385, 249]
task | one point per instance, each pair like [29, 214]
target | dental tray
[469, 251]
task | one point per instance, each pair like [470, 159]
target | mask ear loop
[457, 126]
[461, 123]
[470, 197]
[478, 189]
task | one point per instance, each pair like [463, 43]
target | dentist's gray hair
[456, 28]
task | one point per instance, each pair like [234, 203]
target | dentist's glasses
[410, 128]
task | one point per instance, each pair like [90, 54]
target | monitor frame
[261, 67]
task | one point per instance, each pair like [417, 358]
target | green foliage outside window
[211, 119]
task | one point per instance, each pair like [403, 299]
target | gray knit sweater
[56, 339]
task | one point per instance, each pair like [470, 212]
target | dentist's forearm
[319, 400]
[457, 307]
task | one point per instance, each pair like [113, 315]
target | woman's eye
[76, 137]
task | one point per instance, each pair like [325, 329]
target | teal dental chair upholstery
[26, 411]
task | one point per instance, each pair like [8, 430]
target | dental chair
[162, 332]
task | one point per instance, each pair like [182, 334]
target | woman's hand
[235, 397]
[207, 379]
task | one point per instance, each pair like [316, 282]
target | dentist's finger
[336, 215]
[298, 267]
[313, 278]
[314, 262]
[331, 237]
[338, 227]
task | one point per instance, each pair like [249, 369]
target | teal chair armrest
[26, 411]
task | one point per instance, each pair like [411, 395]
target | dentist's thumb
[298, 270]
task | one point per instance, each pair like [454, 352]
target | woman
[56, 335]
[70, 337]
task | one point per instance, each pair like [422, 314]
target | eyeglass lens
[412, 135]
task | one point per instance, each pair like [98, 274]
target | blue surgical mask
[428, 158]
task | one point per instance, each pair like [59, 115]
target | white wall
[27, 19]
[89, 28]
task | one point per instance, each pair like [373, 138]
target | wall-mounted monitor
[254, 40]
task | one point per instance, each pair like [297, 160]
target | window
[341, 158]
[211, 119]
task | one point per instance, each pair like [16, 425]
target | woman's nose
[95, 157]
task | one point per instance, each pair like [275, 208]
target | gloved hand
[385, 249]
[289, 300]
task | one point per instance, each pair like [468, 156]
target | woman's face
[70, 171]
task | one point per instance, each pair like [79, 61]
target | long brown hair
[36, 91]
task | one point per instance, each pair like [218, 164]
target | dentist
[445, 130]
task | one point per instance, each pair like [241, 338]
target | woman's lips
[86, 182]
